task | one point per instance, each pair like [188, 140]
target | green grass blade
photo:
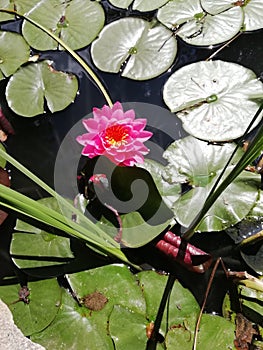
[62, 201]
[31, 208]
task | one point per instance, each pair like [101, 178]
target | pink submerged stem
[186, 254]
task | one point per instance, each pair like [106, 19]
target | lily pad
[21, 6]
[251, 227]
[254, 259]
[194, 162]
[139, 5]
[215, 100]
[44, 301]
[135, 48]
[68, 20]
[117, 284]
[133, 325]
[14, 51]
[182, 304]
[148, 5]
[198, 27]
[31, 86]
[127, 306]
[32, 247]
[253, 15]
[253, 11]
[169, 192]
[75, 327]
[123, 4]
[137, 232]
[215, 333]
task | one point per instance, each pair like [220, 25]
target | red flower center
[116, 135]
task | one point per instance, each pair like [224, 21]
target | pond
[45, 144]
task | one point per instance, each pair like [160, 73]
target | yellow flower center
[116, 135]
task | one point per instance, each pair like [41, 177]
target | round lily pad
[148, 5]
[253, 15]
[21, 6]
[74, 328]
[14, 51]
[198, 27]
[169, 192]
[137, 49]
[76, 22]
[123, 4]
[215, 100]
[44, 300]
[253, 11]
[194, 162]
[139, 5]
[216, 6]
[29, 88]
[32, 247]
[215, 333]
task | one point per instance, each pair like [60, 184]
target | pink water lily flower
[115, 134]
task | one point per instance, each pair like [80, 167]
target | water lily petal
[115, 134]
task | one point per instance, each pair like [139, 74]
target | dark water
[37, 140]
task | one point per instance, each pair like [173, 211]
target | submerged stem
[75, 55]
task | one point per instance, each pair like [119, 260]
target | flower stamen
[116, 135]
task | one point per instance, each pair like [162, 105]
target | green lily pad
[198, 27]
[88, 326]
[253, 15]
[135, 47]
[75, 327]
[127, 329]
[32, 247]
[194, 162]
[254, 259]
[169, 192]
[215, 100]
[148, 5]
[113, 311]
[116, 282]
[123, 4]
[217, 6]
[250, 227]
[44, 301]
[76, 22]
[5, 4]
[21, 6]
[14, 51]
[29, 88]
[139, 5]
[215, 333]
[137, 232]
[182, 304]
[253, 11]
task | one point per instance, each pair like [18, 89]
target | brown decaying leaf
[244, 332]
